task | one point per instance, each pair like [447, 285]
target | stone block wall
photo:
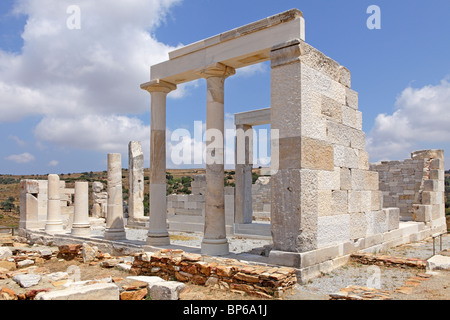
[190, 205]
[187, 212]
[416, 186]
[323, 191]
[400, 182]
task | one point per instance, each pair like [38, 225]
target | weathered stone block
[430, 185]
[99, 291]
[437, 174]
[286, 208]
[29, 186]
[354, 201]
[345, 77]
[371, 180]
[167, 290]
[333, 229]
[377, 201]
[346, 157]
[290, 150]
[351, 98]
[358, 225]
[363, 161]
[283, 258]
[313, 126]
[422, 213]
[429, 197]
[316, 154]
[329, 180]
[332, 109]
[428, 154]
[437, 211]
[338, 134]
[324, 203]
[339, 202]
[366, 201]
[358, 179]
[346, 179]
[437, 164]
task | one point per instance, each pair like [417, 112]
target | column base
[215, 247]
[54, 228]
[158, 240]
[82, 230]
[115, 234]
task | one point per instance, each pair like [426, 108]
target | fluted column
[115, 229]
[54, 222]
[214, 240]
[81, 225]
[158, 234]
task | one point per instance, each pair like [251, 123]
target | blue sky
[69, 97]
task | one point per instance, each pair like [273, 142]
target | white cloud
[21, 158]
[53, 163]
[421, 118]
[79, 81]
[93, 132]
[19, 141]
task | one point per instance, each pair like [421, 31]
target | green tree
[8, 204]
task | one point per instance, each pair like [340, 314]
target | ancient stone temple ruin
[326, 200]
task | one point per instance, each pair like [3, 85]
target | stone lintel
[253, 118]
[238, 48]
[238, 32]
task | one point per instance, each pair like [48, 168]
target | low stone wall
[416, 186]
[388, 261]
[260, 281]
[187, 212]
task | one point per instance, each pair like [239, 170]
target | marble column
[81, 226]
[136, 183]
[158, 235]
[114, 220]
[214, 240]
[243, 177]
[54, 223]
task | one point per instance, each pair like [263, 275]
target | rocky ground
[353, 281]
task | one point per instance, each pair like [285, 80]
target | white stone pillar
[158, 235]
[136, 183]
[81, 226]
[243, 177]
[114, 221]
[54, 223]
[29, 204]
[214, 240]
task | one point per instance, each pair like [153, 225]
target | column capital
[215, 70]
[158, 86]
